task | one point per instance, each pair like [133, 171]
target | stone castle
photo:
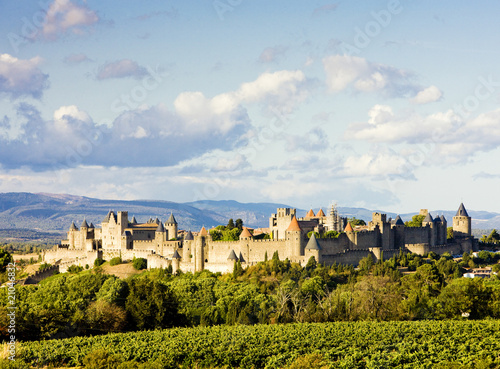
[161, 244]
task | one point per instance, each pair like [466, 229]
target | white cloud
[453, 139]
[384, 126]
[148, 136]
[374, 165]
[20, 77]
[76, 58]
[282, 90]
[344, 71]
[428, 95]
[121, 69]
[66, 16]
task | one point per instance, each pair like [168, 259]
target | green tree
[311, 264]
[230, 224]
[140, 263]
[416, 221]
[5, 259]
[113, 290]
[239, 224]
[151, 305]
[216, 234]
[449, 233]
[356, 222]
[464, 297]
[237, 269]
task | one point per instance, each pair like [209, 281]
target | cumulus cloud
[344, 71]
[76, 58]
[148, 136]
[428, 95]
[385, 126]
[20, 77]
[65, 16]
[453, 139]
[378, 165]
[121, 69]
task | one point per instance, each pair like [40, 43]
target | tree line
[90, 302]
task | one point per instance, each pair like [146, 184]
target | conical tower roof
[443, 219]
[313, 243]
[108, 217]
[428, 218]
[310, 214]
[176, 255]
[348, 228]
[461, 212]
[241, 259]
[84, 224]
[160, 228]
[203, 232]
[72, 227]
[91, 225]
[157, 221]
[399, 221]
[189, 236]
[232, 256]
[171, 219]
[246, 233]
[133, 221]
[320, 213]
[294, 225]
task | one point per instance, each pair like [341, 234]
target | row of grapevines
[423, 344]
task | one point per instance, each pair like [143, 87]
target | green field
[423, 344]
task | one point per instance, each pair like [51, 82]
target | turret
[171, 227]
[83, 233]
[461, 223]
[313, 249]
[126, 240]
[429, 221]
[160, 233]
[399, 238]
[176, 260]
[231, 259]
[187, 247]
[293, 236]
[350, 235]
[72, 235]
[444, 229]
[199, 250]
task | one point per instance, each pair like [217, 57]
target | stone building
[159, 243]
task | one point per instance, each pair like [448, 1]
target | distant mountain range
[55, 212]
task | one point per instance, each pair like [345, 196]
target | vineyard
[424, 344]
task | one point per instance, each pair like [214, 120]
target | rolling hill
[44, 212]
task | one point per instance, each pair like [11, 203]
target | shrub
[101, 359]
[44, 266]
[74, 269]
[98, 262]
[311, 361]
[140, 263]
[115, 261]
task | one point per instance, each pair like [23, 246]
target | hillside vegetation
[428, 344]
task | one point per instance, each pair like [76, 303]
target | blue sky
[380, 104]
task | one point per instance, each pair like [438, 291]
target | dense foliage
[427, 344]
[274, 291]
